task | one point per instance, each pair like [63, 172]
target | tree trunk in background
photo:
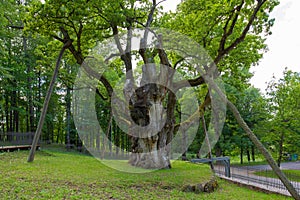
[30, 111]
[128, 143]
[116, 136]
[3, 127]
[39, 94]
[14, 107]
[248, 154]
[253, 152]
[280, 148]
[110, 139]
[123, 142]
[68, 118]
[14, 118]
[241, 154]
[50, 128]
[7, 118]
[184, 146]
[105, 139]
[11, 114]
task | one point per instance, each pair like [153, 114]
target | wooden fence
[7, 139]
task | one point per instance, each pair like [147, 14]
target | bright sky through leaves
[283, 45]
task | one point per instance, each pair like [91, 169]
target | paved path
[285, 165]
[279, 188]
[245, 175]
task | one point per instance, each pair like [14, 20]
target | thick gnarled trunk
[151, 133]
[148, 155]
[153, 124]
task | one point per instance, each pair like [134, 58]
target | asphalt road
[285, 165]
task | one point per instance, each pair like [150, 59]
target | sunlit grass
[69, 175]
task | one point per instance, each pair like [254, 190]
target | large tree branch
[80, 60]
[189, 83]
[101, 15]
[100, 77]
[151, 13]
[178, 62]
[241, 38]
[112, 56]
[117, 39]
[16, 27]
[125, 55]
[162, 54]
[101, 95]
[79, 37]
[11, 24]
[227, 32]
[57, 38]
[143, 41]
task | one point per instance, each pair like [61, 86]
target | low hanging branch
[37, 135]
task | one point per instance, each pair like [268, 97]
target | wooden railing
[16, 138]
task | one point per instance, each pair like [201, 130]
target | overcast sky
[283, 44]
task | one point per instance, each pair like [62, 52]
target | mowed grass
[63, 175]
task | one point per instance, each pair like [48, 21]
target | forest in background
[27, 59]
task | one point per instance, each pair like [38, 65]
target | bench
[16, 141]
[17, 148]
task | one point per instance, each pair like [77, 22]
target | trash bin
[294, 157]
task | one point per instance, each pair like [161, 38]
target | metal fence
[259, 178]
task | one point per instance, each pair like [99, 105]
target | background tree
[252, 107]
[284, 101]
[18, 61]
[24, 71]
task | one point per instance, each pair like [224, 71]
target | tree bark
[248, 154]
[15, 113]
[280, 149]
[184, 146]
[116, 137]
[46, 103]
[8, 129]
[68, 119]
[253, 152]
[150, 149]
[30, 110]
[241, 154]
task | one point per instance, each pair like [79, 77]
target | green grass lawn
[63, 175]
[293, 175]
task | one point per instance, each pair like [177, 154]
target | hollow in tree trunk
[151, 133]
